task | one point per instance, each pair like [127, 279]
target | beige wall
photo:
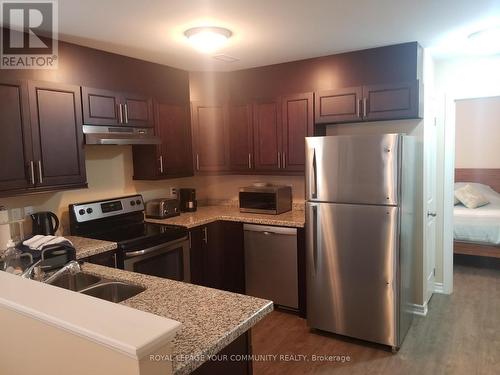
[109, 174]
[477, 133]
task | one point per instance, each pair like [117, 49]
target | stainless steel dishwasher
[271, 264]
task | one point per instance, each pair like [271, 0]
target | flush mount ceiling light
[208, 39]
[485, 41]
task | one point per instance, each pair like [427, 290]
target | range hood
[104, 135]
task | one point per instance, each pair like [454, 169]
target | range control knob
[89, 210]
[82, 211]
[132, 203]
[138, 202]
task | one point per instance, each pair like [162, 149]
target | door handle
[161, 163]
[125, 112]
[197, 162]
[365, 105]
[284, 160]
[358, 108]
[40, 172]
[433, 214]
[120, 114]
[314, 187]
[205, 235]
[249, 161]
[315, 235]
[279, 160]
[32, 172]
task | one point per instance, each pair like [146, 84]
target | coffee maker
[188, 200]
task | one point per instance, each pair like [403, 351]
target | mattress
[478, 225]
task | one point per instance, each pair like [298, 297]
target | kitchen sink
[75, 282]
[113, 291]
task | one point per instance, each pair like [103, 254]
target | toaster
[162, 208]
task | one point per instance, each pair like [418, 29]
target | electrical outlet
[16, 214]
[173, 192]
[29, 210]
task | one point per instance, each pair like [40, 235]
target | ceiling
[270, 31]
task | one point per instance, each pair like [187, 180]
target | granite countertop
[86, 247]
[211, 319]
[208, 214]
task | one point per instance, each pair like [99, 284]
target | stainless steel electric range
[151, 249]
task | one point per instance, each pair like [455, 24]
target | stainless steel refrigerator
[360, 217]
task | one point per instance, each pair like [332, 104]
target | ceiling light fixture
[208, 39]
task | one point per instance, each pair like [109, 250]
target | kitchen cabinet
[368, 103]
[393, 101]
[339, 105]
[42, 137]
[57, 136]
[217, 257]
[210, 137]
[112, 108]
[107, 259]
[173, 158]
[241, 153]
[267, 134]
[297, 123]
[15, 142]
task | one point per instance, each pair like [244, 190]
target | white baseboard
[419, 309]
[439, 288]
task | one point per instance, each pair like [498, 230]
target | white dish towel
[38, 242]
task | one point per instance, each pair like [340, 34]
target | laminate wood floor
[459, 335]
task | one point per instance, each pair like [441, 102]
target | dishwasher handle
[269, 230]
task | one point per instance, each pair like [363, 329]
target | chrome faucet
[28, 273]
[72, 267]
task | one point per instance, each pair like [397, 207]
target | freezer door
[353, 169]
[352, 276]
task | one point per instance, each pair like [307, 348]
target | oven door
[169, 260]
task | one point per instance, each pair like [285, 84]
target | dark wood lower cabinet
[231, 360]
[107, 259]
[217, 256]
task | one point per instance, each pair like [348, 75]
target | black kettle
[45, 223]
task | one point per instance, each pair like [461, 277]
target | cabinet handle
[249, 161]
[279, 160]
[32, 172]
[284, 160]
[161, 163]
[190, 241]
[197, 162]
[120, 113]
[125, 113]
[115, 260]
[358, 108]
[205, 235]
[40, 173]
[365, 103]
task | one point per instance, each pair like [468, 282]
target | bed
[477, 231]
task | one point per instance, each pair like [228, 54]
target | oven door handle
[149, 250]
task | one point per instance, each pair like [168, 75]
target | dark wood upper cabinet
[392, 101]
[137, 110]
[298, 123]
[241, 137]
[101, 107]
[339, 105]
[173, 158]
[56, 125]
[112, 108]
[16, 167]
[210, 137]
[267, 134]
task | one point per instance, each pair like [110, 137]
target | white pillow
[471, 197]
[486, 190]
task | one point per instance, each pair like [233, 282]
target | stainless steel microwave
[269, 199]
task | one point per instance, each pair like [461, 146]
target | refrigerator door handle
[315, 236]
[314, 179]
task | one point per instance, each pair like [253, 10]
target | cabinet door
[15, 142]
[241, 137]
[108, 259]
[339, 105]
[211, 137]
[137, 110]
[101, 107]
[267, 134]
[391, 101]
[172, 126]
[56, 123]
[297, 124]
[197, 247]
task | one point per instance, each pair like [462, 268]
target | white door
[430, 191]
